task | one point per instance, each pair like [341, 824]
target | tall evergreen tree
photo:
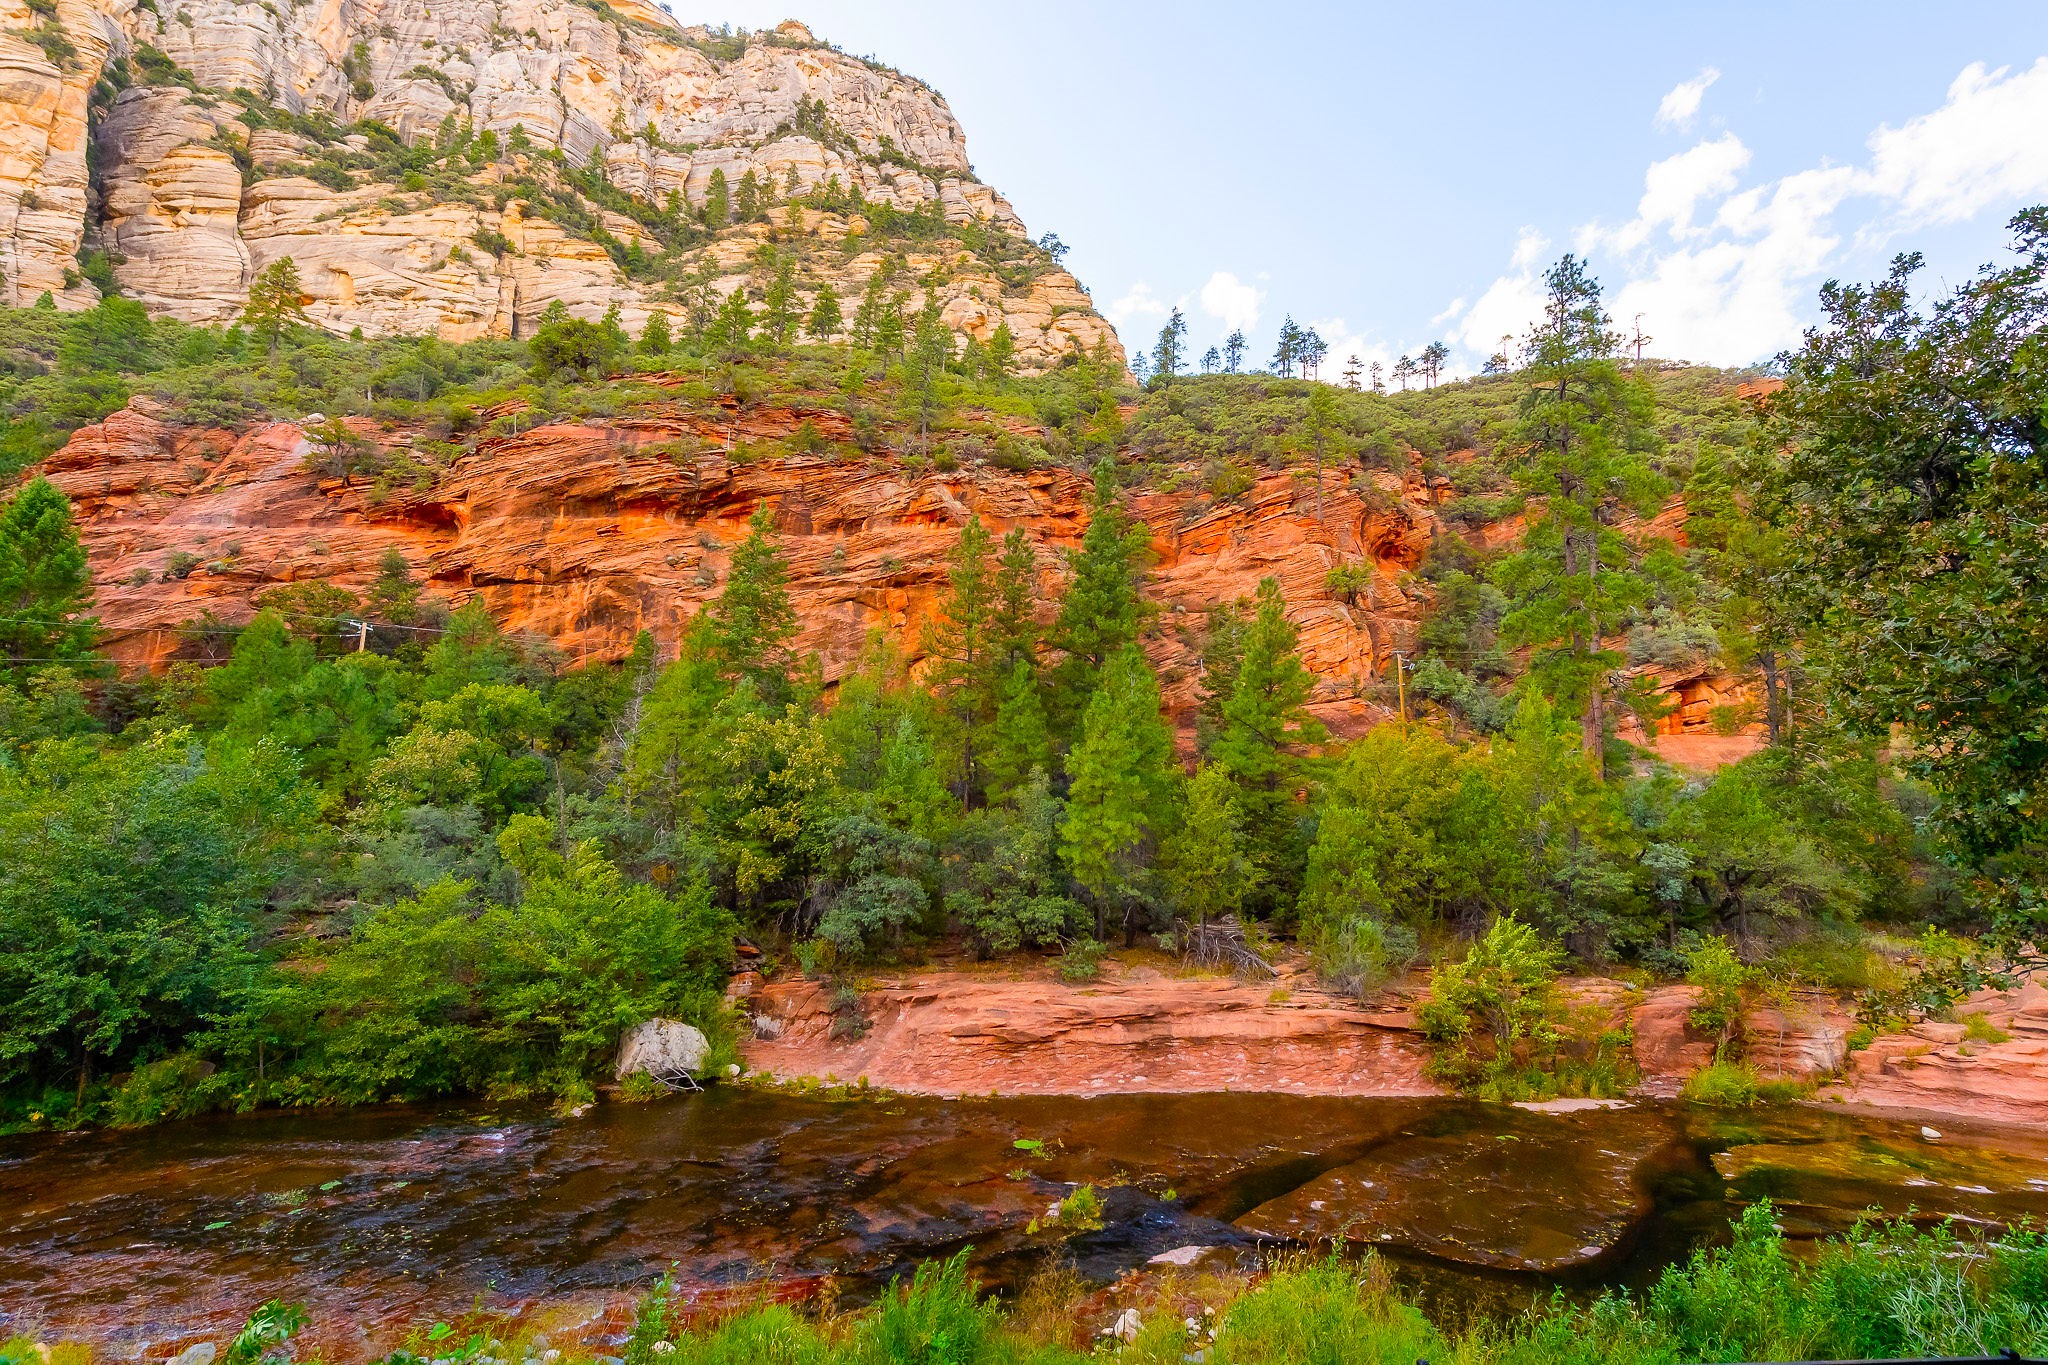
[1100, 613]
[1287, 349]
[1264, 728]
[962, 641]
[1002, 353]
[1233, 351]
[1014, 626]
[778, 304]
[276, 300]
[717, 201]
[752, 621]
[1171, 352]
[1119, 795]
[655, 336]
[1589, 433]
[45, 584]
[1017, 744]
[732, 328]
[1203, 868]
[825, 319]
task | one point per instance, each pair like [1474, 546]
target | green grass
[1886, 1290]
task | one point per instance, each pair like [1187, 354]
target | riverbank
[1884, 1292]
[1147, 1026]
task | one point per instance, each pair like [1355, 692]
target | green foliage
[1723, 1085]
[277, 299]
[44, 583]
[1722, 981]
[1120, 789]
[1903, 462]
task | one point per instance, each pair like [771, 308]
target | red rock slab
[961, 1033]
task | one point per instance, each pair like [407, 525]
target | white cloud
[1725, 272]
[1511, 302]
[1137, 305]
[1674, 187]
[1983, 146]
[1456, 307]
[1681, 104]
[1231, 301]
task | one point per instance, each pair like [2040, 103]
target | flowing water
[144, 1240]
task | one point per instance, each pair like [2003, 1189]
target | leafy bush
[1723, 1085]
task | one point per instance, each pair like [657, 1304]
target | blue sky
[1397, 174]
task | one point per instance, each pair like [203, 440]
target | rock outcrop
[451, 169]
[586, 535]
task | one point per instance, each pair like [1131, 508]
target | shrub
[1082, 961]
[1723, 1085]
[1359, 954]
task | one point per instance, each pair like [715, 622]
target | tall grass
[1886, 1290]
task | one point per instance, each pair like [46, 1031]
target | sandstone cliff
[451, 167]
[584, 534]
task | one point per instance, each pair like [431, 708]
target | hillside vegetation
[449, 863]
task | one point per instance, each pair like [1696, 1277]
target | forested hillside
[371, 844]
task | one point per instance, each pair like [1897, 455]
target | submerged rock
[1486, 1194]
[1832, 1183]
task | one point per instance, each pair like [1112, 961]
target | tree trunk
[1594, 726]
[1774, 719]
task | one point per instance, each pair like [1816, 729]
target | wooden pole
[1401, 684]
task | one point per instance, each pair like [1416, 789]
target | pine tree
[962, 642]
[1100, 613]
[1002, 353]
[1120, 787]
[1203, 868]
[1352, 371]
[45, 584]
[1589, 432]
[867, 317]
[752, 621]
[747, 201]
[1017, 744]
[1212, 360]
[778, 315]
[825, 319]
[655, 338]
[1014, 628]
[1233, 350]
[394, 596]
[889, 330]
[928, 360]
[276, 300]
[1171, 352]
[717, 201]
[1264, 727]
[732, 329]
[1287, 351]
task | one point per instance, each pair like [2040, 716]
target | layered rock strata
[240, 138]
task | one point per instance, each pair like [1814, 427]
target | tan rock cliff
[203, 161]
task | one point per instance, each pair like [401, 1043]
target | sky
[1398, 174]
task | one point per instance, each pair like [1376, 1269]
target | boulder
[663, 1048]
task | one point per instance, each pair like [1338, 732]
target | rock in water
[1486, 1194]
[663, 1048]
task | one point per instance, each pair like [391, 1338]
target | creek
[379, 1218]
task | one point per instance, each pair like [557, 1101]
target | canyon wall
[587, 534]
[195, 142]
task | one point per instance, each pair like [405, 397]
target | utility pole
[1401, 685]
[362, 634]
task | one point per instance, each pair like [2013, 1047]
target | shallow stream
[376, 1218]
